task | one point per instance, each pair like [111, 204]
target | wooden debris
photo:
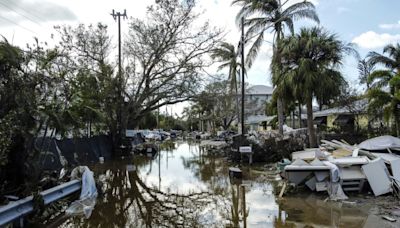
[338, 153]
[282, 190]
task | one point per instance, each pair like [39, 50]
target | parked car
[153, 135]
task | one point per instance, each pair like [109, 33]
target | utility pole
[243, 92]
[118, 15]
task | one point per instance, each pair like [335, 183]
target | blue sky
[369, 23]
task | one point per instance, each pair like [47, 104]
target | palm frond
[304, 14]
[383, 76]
[376, 58]
[254, 49]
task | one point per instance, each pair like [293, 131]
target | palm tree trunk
[300, 115]
[280, 115]
[369, 126]
[279, 101]
[293, 122]
[310, 124]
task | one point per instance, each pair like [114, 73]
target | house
[346, 117]
[255, 99]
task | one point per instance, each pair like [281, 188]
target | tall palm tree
[311, 60]
[365, 68]
[272, 16]
[385, 84]
[226, 54]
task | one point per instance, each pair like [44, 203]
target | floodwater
[183, 186]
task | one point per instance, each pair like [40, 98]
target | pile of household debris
[337, 167]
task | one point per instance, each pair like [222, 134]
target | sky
[370, 24]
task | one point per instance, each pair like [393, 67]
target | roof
[260, 90]
[359, 106]
[257, 119]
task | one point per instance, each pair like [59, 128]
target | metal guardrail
[21, 208]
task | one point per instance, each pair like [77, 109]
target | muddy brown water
[183, 186]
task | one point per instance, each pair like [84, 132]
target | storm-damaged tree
[216, 102]
[165, 55]
[88, 85]
[18, 99]
[227, 55]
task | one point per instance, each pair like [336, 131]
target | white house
[255, 99]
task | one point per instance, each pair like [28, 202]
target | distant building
[345, 117]
[256, 98]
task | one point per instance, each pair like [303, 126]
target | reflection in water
[311, 211]
[183, 186]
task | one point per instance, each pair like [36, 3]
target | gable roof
[260, 90]
[359, 106]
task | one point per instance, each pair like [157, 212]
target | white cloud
[371, 39]
[390, 26]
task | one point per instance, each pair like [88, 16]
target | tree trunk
[300, 115]
[280, 115]
[397, 121]
[237, 104]
[310, 124]
[293, 122]
[279, 101]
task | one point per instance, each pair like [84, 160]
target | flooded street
[183, 186]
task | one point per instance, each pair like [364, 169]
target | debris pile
[272, 147]
[214, 145]
[337, 167]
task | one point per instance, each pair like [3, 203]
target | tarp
[87, 200]
[380, 143]
[335, 175]
[55, 154]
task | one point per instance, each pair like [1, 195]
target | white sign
[245, 149]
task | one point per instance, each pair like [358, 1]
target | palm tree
[385, 84]
[310, 61]
[272, 16]
[226, 54]
[365, 68]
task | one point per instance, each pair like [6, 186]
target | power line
[6, 19]
[29, 13]
[26, 17]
